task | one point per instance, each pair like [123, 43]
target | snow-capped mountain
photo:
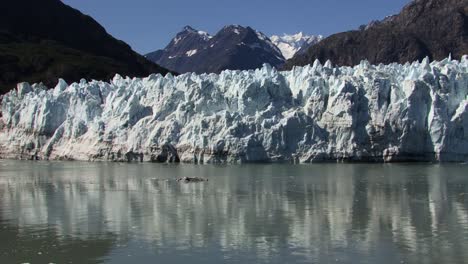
[233, 47]
[185, 43]
[392, 112]
[291, 44]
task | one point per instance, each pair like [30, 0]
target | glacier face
[381, 113]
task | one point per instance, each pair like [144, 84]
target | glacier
[316, 113]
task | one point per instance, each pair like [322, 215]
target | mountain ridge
[233, 47]
[424, 28]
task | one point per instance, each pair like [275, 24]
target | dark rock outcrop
[41, 41]
[432, 28]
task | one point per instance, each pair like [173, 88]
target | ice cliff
[381, 113]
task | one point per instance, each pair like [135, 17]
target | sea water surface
[76, 212]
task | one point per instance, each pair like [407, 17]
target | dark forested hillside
[41, 41]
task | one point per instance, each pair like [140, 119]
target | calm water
[74, 212]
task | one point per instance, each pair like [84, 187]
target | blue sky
[148, 25]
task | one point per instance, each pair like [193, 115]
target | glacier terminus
[376, 113]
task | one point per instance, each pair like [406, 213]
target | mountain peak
[292, 44]
[188, 28]
[234, 26]
[237, 29]
[233, 47]
[297, 36]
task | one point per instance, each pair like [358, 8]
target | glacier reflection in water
[342, 213]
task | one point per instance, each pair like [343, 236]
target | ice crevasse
[381, 113]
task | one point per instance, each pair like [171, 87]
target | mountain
[410, 112]
[291, 44]
[43, 40]
[432, 28]
[233, 47]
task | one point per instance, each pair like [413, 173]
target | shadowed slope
[41, 41]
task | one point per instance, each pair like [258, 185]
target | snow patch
[204, 35]
[177, 40]
[190, 53]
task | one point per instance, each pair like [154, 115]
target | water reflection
[257, 213]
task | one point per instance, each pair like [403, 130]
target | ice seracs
[381, 113]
